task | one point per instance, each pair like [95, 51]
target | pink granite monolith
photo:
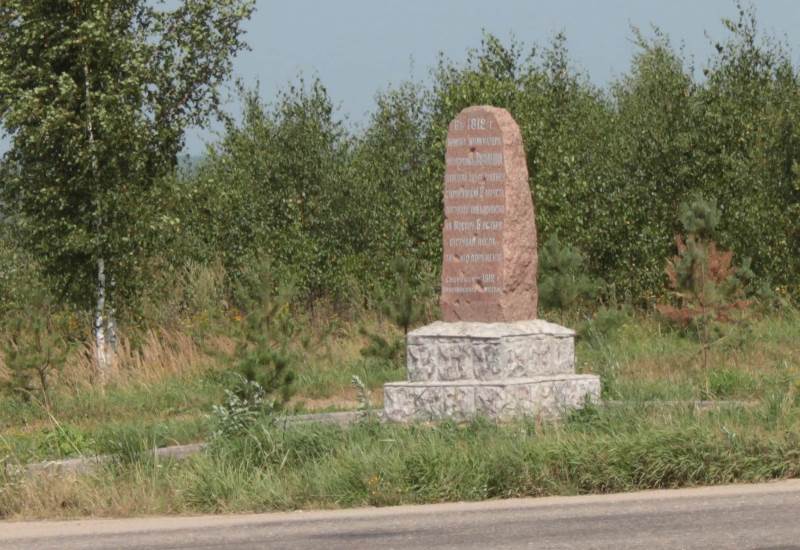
[490, 261]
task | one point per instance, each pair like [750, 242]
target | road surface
[764, 516]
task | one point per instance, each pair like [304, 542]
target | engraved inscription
[474, 207]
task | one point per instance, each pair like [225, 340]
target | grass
[167, 395]
[643, 359]
[169, 389]
[595, 451]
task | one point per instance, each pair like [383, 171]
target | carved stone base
[542, 396]
[498, 370]
[489, 351]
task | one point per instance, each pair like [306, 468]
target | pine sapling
[701, 277]
[34, 348]
[404, 307]
[563, 282]
[263, 359]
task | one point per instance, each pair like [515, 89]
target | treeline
[331, 208]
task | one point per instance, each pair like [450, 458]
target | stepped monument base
[496, 370]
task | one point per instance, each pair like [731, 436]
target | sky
[360, 47]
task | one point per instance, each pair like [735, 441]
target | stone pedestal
[497, 370]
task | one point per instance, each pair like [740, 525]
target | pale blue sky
[358, 47]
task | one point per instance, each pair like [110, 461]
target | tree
[263, 357]
[563, 282]
[404, 306]
[399, 172]
[701, 276]
[96, 96]
[34, 346]
[280, 183]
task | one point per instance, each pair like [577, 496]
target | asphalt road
[764, 516]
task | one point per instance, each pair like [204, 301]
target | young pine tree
[34, 348]
[702, 279]
[404, 307]
[563, 282]
[263, 358]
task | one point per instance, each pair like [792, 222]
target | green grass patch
[655, 438]
[597, 450]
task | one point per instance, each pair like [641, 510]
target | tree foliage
[563, 281]
[281, 183]
[96, 96]
[608, 168]
[333, 207]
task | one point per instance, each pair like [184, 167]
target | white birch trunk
[100, 324]
[111, 324]
[104, 327]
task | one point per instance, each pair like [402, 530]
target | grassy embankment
[629, 446]
[165, 391]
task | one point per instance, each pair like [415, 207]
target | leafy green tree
[399, 170]
[750, 151]
[96, 96]
[281, 183]
[653, 167]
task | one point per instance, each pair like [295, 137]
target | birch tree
[96, 96]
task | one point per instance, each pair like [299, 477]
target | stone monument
[489, 356]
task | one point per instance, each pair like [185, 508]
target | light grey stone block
[488, 330]
[497, 370]
[489, 351]
[409, 401]
[543, 396]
